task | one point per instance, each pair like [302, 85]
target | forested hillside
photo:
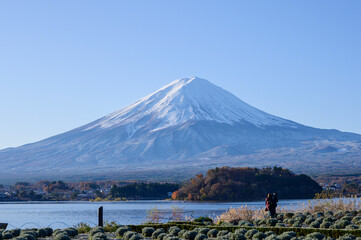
[235, 184]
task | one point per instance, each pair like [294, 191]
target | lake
[67, 214]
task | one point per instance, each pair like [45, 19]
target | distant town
[85, 191]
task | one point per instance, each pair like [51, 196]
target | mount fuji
[187, 126]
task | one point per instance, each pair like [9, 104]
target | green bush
[271, 222]
[49, 231]
[203, 230]
[212, 233]
[249, 234]
[190, 235]
[136, 237]
[120, 231]
[82, 227]
[200, 236]
[289, 215]
[42, 232]
[19, 238]
[315, 224]
[297, 224]
[27, 236]
[15, 232]
[315, 235]
[99, 236]
[147, 231]
[174, 230]
[325, 224]
[241, 231]
[347, 237]
[222, 233]
[128, 235]
[309, 220]
[61, 236]
[171, 237]
[287, 235]
[7, 235]
[347, 218]
[160, 236]
[237, 236]
[343, 223]
[95, 230]
[72, 232]
[259, 235]
[156, 233]
[280, 225]
[29, 231]
[272, 237]
[352, 226]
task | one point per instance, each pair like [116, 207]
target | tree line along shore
[219, 184]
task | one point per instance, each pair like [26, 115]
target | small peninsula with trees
[240, 184]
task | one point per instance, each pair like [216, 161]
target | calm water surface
[65, 214]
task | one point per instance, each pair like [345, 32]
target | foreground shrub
[259, 235]
[136, 237]
[72, 232]
[27, 236]
[272, 237]
[222, 233]
[237, 236]
[347, 237]
[315, 235]
[121, 230]
[7, 235]
[200, 236]
[29, 231]
[249, 234]
[160, 236]
[147, 231]
[15, 232]
[287, 235]
[128, 235]
[95, 230]
[42, 232]
[174, 230]
[212, 233]
[203, 230]
[82, 227]
[156, 233]
[190, 235]
[61, 236]
[110, 226]
[49, 231]
[99, 236]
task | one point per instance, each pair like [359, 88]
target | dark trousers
[272, 212]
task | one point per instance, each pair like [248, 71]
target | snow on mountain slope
[185, 100]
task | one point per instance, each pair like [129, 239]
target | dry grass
[156, 215]
[333, 204]
[234, 215]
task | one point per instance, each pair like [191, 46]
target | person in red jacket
[271, 204]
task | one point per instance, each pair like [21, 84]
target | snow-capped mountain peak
[188, 99]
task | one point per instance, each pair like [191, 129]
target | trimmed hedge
[334, 233]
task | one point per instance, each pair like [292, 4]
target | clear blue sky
[65, 63]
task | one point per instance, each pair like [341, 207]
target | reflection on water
[65, 214]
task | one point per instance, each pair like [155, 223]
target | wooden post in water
[100, 216]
